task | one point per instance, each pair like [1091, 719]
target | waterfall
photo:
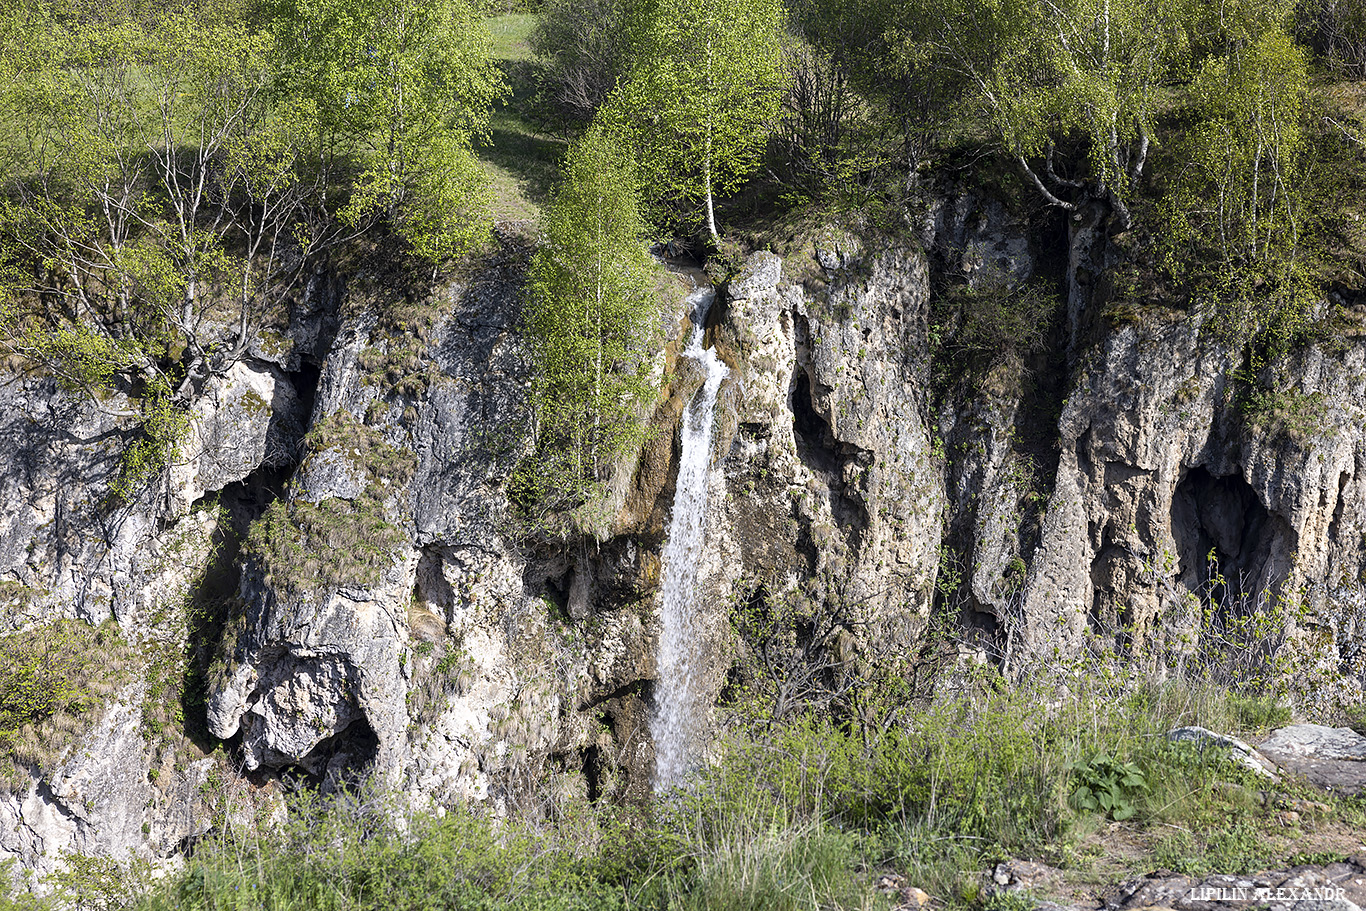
[679, 707]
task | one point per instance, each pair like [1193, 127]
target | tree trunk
[711, 211]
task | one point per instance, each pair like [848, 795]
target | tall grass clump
[362, 850]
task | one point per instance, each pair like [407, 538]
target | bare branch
[1039, 185]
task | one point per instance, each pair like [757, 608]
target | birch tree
[400, 88]
[1042, 72]
[592, 317]
[703, 91]
[170, 183]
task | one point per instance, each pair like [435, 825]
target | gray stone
[1317, 741]
[1331, 758]
[761, 273]
[1239, 751]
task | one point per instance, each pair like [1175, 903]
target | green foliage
[796, 813]
[163, 428]
[1107, 785]
[833, 145]
[1281, 410]
[90, 882]
[400, 90]
[584, 44]
[1242, 636]
[1239, 849]
[592, 318]
[751, 865]
[1039, 75]
[359, 851]
[347, 854]
[978, 327]
[1336, 30]
[51, 677]
[172, 177]
[308, 547]
[704, 85]
[1240, 200]
[1259, 713]
[80, 357]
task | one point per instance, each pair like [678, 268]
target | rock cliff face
[1164, 487]
[392, 617]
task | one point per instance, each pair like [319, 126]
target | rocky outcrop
[1169, 498]
[472, 662]
[116, 788]
[67, 548]
[396, 616]
[93, 803]
[829, 489]
[1330, 758]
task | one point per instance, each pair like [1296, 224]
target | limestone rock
[1331, 758]
[1316, 740]
[1239, 751]
[64, 549]
[761, 273]
[93, 803]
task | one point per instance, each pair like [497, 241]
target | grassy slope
[806, 814]
[522, 162]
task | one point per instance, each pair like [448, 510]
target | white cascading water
[680, 710]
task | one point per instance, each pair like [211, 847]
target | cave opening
[815, 441]
[826, 456]
[1225, 539]
[216, 595]
[342, 762]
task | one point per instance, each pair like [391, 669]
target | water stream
[680, 707]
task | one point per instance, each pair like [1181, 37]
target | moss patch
[333, 543]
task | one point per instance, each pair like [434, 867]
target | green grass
[510, 35]
[54, 677]
[521, 159]
[801, 813]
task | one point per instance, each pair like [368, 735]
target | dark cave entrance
[826, 456]
[1225, 539]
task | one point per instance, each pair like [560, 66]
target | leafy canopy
[592, 317]
[1042, 73]
[173, 173]
[704, 86]
[400, 89]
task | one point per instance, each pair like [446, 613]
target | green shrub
[775, 869]
[52, 677]
[360, 851]
[88, 882]
[1107, 785]
[976, 328]
[1241, 848]
[164, 425]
